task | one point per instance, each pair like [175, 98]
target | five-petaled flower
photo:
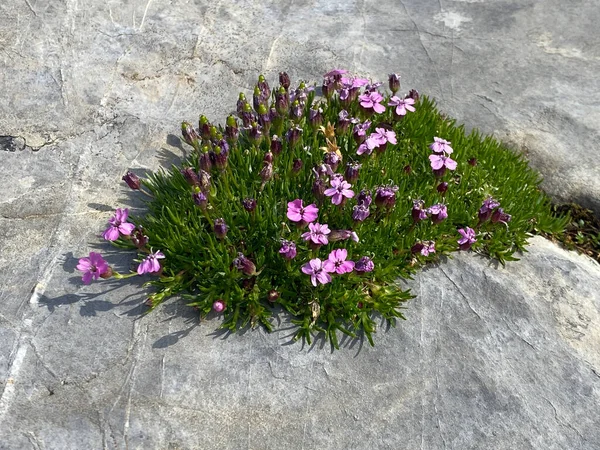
[93, 267]
[402, 105]
[372, 100]
[339, 190]
[317, 234]
[118, 225]
[441, 161]
[438, 213]
[441, 146]
[467, 238]
[317, 272]
[298, 213]
[379, 139]
[150, 264]
[336, 262]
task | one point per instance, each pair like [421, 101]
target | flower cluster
[317, 204]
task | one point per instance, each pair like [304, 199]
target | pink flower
[298, 213]
[150, 264]
[439, 161]
[402, 105]
[335, 72]
[438, 213]
[339, 189]
[118, 224]
[372, 100]
[93, 267]
[336, 262]
[428, 247]
[380, 138]
[219, 306]
[288, 249]
[317, 234]
[317, 272]
[441, 146]
[467, 238]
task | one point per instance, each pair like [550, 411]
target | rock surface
[489, 357]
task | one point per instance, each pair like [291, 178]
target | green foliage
[200, 267]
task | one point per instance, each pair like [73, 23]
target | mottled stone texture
[489, 357]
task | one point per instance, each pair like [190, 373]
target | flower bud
[297, 165]
[244, 265]
[204, 126]
[297, 110]
[221, 155]
[264, 88]
[266, 173]
[282, 102]
[284, 80]
[220, 228]
[232, 131]
[190, 135]
[219, 306]
[407, 169]
[472, 162]
[385, 196]
[257, 99]
[276, 145]
[327, 88]
[138, 237]
[500, 216]
[318, 188]
[107, 273]
[293, 135]
[442, 188]
[342, 235]
[273, 296]
[332, 159]
[255, 134]
[190, 176]
[204, 178]
[414, 94]
[268, 158]
[204, 161]
[364, 264]
[418, 211]
[247, 115]
[364, 198]
[249, 204]
[241, 103]
[351, 173]
[132, 180]
[200, 199]
[394, 83]
[315, 117]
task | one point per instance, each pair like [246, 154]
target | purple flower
[428, 247]
[335, 72]
[441, 162]
[339, 190]
[317, 234]
[93, 267]
[438, 213]
[132, 180]
[244, 265]
[200, 199]
[418, 211]
[360, 212]
[380, 138]
[488, 206]
[342, 235]
[344, 121]
[500, 216]
[336, 262]
[385, 196]
[351, 173]
[288, 249]
[467, 239]
[298, 213]
[364, 148]
[293, 135]
[249, 204]
[402, 105]
[317, 272]
[360, 131]
[441, 145]
[364, 198]
[150, 264]
[332, 159]
[118, 224]
[219, 306]
[372, 100]
[220, 228]
[364, 264]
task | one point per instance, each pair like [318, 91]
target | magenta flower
[118, 224]
[467, 239]
[380, 138]
[288, 249]
[339, 190]
[298, 213]
[317, 234]
[335, 72]
[488, 206]
[317, 272]
[418, 210]
[354, 82]
[372, 100]
[336, 262]
[500, 216]
[438, 213]
[150, 264]
[402, 105]
[359, 131]
[441, 162]
[93, 267]
[441, 145]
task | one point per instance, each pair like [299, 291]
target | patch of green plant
[320, 203]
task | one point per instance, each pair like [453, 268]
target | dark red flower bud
[276, 145]
[351, 173]
[472, 162]
[273, 295]
[132, 180]
[189, 133]
[407, 169]
[190, 176]
[394, 83]
[284, 80]
[204, 126]
[268, 158]
[442, 188]
[249, 204]
[297, 165]
[414, 94]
